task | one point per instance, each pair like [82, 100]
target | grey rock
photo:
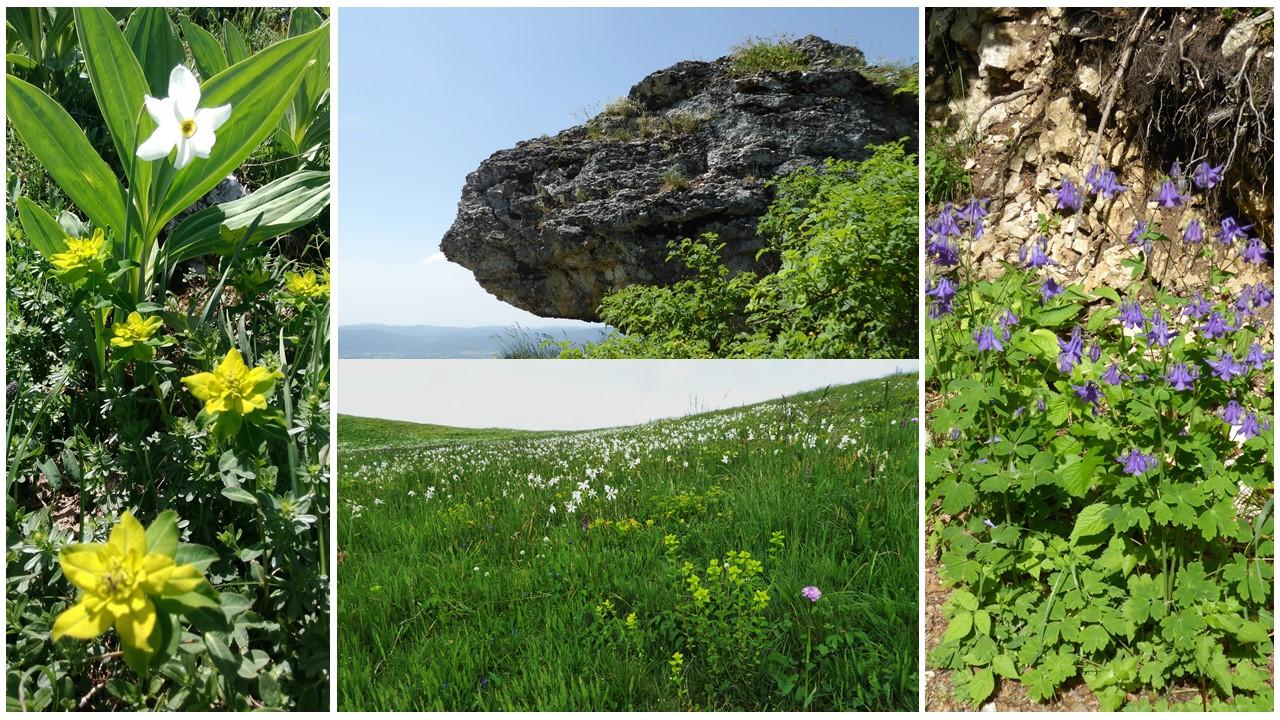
[555, 223]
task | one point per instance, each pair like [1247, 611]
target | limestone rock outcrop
[555, 223]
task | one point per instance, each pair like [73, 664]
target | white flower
[179, 123]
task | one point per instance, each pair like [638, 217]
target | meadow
[761, 558]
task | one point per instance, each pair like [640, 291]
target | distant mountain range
[420, 342]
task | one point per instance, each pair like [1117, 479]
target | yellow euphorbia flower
[82, 254]
[118, 580]
[135, 330]
[232, 387]
[307, 285]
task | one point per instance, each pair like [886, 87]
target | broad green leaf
[205, 49]
[43, 232]
[199, 555]
[240, 495]
[289, 202]
[1094, 638]
[162, 534]
[119, 86]
[1090, 521]
[156, 45]
[982, 622]
[959, 626]
[61, 147]
[1003, 666]
[258, 91]
[981, 686]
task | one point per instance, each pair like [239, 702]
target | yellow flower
[135, 330]
[232, 387]
[118, 580]
[81, 253]
[307, 285]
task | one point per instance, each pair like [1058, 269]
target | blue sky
[426, 94]
[580, 394]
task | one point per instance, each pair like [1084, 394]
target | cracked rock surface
[555, 223]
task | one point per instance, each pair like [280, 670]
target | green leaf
[258, 91]
[239, 495]
[233, 41]
[286, 203]
[61, 147]
[205, 49]
[162, 535]
[959, 626]
[982, 622]
[221, 654]
[1004, 667]
[118, 84]
[981, 686]
[1094, 638]
[156, 45]
[43, 232]
[198, 555]
[1090, 521]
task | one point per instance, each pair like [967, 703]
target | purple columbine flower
[1257, 357]
[1090, 393]
[1159, 332]
[1131, 315]
[1136, 463]
[1248, 426]
[1193, 234]
[987, 340]
[1035, 257]
[1168, 196]
[1216, 326]
[1232, 231]
[942, 291]
[1244, 301]
[1040, 404]
[975, 210]
[1069, 197]
[1225, 367]
[1182, 376]
[1017, 412]
[1007, 321]
[1071, 351]
[1095, 352]
[1206, 175]
[948, 225]
[1138, 235]
[811, 593]
[1112, 376]
[1232, 412]
[1050, 289]
[955, 434]
[1197, 307]
[1254, 251]
[1175, 172]
[1103, 182]
[941, 252]
[1262, 295]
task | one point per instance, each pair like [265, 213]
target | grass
[461, 589]
[760, 54]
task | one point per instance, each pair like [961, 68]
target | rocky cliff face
[554, 223]
[1027, 88]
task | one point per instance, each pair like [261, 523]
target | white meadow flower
[180, 123]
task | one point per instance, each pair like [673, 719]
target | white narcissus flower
[180, 123]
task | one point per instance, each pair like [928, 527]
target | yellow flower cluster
[81, 253]
[307, 285]
[135, 330]
[233, 387]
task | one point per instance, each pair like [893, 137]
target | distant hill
[417, 342]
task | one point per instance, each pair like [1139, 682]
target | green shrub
[844, 240]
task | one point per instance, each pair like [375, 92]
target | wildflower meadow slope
[758, 558]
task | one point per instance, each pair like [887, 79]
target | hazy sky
[579, 394]
[426, 94]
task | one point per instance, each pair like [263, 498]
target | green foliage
[843, 239]
[760, 54]
[1065, 560]
[100, 337]
[655, 567]
[945, 179]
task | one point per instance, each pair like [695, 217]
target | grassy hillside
[656, 567]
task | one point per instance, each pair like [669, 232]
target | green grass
[764, 54]
[460, 589]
